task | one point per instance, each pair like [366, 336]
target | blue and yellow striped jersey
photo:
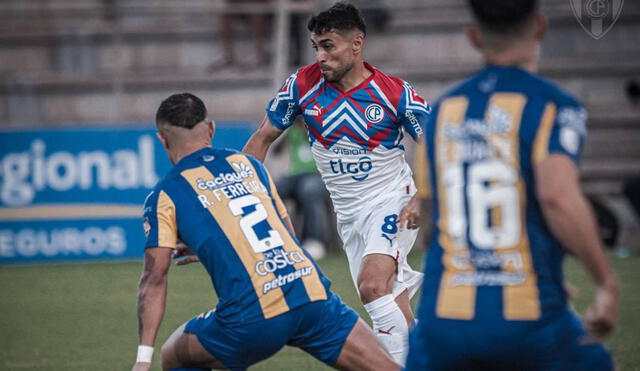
[223, 204]
[492, 256]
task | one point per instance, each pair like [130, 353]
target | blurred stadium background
[80, 81]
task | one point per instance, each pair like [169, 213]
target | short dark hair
[342, 16]
[503, 15]
[184, 110]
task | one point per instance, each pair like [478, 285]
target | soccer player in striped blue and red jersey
[503, 148]
[224, 206]
[356, 117]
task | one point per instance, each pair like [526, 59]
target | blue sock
[190, 369]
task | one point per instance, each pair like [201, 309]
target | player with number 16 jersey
[503, 148]
[493, 265]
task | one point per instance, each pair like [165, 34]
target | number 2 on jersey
[251, 219]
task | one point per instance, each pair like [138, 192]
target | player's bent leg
[376, 276]
[183, 351]
[362, 351]
[375, 284]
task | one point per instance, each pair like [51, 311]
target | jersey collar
[194, 155]
[359, 86]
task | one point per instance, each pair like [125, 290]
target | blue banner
[77, 193]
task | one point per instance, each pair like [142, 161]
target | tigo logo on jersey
[359, 171]
[374, 113]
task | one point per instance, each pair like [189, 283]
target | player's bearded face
[334, 55]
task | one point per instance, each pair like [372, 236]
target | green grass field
[82, 316]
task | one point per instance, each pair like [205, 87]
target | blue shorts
[556, 344]
[319, 328]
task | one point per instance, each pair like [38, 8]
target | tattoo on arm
[149, 263]
[140, 312]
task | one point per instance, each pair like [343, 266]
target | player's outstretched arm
[259, 143]
[571, 220]
[152, 292]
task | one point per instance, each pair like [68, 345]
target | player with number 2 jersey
[224, 206]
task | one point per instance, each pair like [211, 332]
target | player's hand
[602, 316]
[184, 254]
[141, 366]
[410, 214]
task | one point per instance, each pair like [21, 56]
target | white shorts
[375, 232]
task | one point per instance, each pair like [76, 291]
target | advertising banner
[76, 193]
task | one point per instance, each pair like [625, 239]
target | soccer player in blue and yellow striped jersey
[224, 206]
[503, 148]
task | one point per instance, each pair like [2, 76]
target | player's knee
[371, 290]
[167, 355]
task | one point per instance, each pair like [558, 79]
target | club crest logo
[597, 17]
[374, 113]
[146, 226]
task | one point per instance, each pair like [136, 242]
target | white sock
[390, 326]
